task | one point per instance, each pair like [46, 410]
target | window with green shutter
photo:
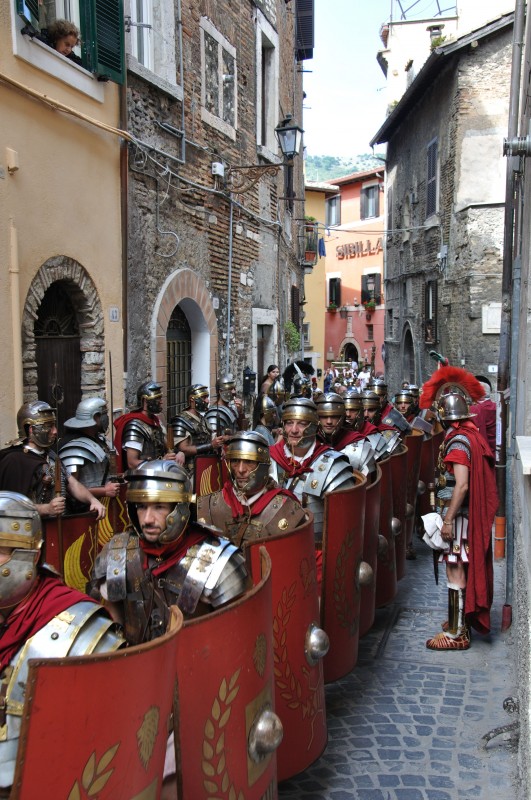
[102, 34]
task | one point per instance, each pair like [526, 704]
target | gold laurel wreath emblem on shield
[217, 780]
[146, 735]
[309, 702]
[95, 775]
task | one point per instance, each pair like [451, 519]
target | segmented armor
[88, 458]
[81, 629]
[329, 471]
[151, 437]
[188, 425]
[211, 572]
[445, 485]
[282, 514]
[222, 419]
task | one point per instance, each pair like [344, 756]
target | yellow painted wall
[63, 200]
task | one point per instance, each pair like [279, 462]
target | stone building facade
[445, 193]
[213, 265]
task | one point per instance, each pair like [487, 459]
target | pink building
[354, 242]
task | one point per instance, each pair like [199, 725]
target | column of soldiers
[170, 555]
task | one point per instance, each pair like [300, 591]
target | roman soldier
[139, 434]
[466, 500]
[29, 466]
[332, 431]
[84, 451]
[250, 505]
[304, 465]
[40, 617]
[166, 558]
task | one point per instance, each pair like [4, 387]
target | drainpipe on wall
[229, 288]
[16, 332]
[124, 219]
[503, 474]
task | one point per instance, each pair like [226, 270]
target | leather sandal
[442, 642]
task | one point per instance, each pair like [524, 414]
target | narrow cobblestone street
[407, 723]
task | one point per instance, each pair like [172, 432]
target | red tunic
[482, 505]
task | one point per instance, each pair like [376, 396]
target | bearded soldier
[40, 618]
[304, 465]
[354, 416]
[27, 465]
[166, 559]
[467, 502]
[191, 433]
[250, 505]
[226, 397]
[139, 434]
[84, 451]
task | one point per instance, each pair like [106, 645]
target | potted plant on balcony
[369, 306]
[332, 307]
[311, 240]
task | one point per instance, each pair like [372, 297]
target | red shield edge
[398, 480]
[98, 725]
[370, 551]
[299, 686]
[386, 585]
[225, 672]
[414, 449]
[344, 520]
[209, 474]
[428, 458]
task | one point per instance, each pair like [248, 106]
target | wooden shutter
[295, 306]
[29, 11]
[304, 32]
[431, 179]
[103, 38]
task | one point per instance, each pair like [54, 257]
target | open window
[219, 82]
[101, 28]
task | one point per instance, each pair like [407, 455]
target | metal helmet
[199, 393]
[248, 446]
[220, 420]
[226, 388]
[330, 404]
[277, 391]
[20, 530]
[41, 417]
[301, 386]
[452, 406]
[379, 387]
[414, 389]
[404, 396]
[85, 413]
[160, 481]
[353, 408]
[303, 410]
[268, 411]
[352, 399]
[371, 402]
[152, 392]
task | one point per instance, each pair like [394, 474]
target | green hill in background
[324, 168]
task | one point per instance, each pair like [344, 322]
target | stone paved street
[407, 723]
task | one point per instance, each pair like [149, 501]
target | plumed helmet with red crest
[450, 391]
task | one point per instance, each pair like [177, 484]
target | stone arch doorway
[408, 357]
[350, 352]
[64, 277]
[57, 350]
[185, 290]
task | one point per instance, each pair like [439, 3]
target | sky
[345, 87]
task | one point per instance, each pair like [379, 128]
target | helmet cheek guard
[20, 529]
[160, 481]
[248, 446]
